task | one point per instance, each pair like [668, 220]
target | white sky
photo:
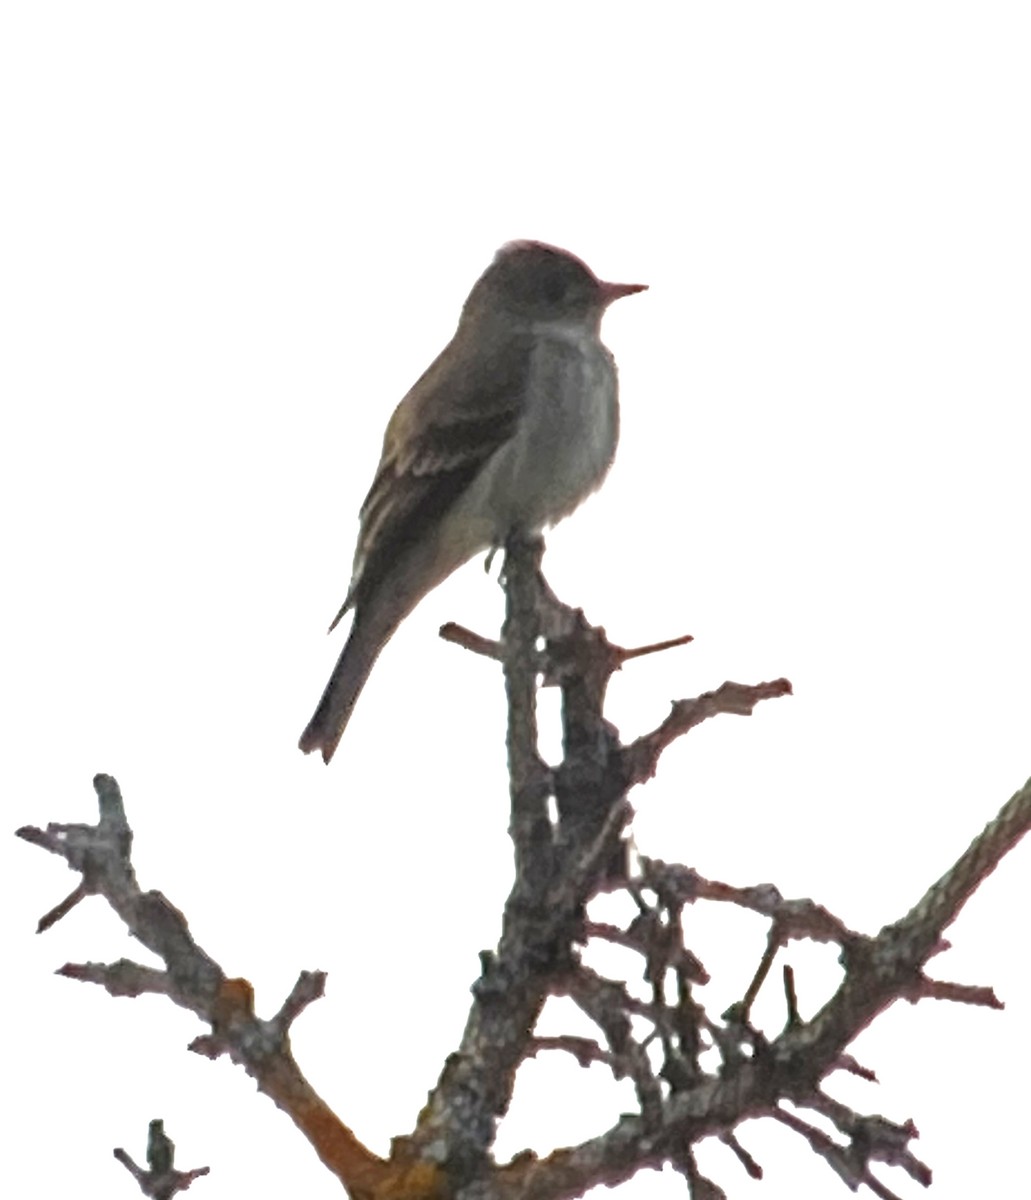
[233, 235]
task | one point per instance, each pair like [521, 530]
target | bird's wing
[440, 436]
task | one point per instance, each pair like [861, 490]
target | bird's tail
[353, 667]
[377, 615]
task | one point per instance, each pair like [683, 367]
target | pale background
[233, 235]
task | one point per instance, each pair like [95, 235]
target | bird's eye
[554, 288]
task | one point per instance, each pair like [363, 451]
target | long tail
[377, 615]
[353, 667]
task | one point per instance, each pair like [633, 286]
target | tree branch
[194, 981]
[161, 1180]
[566, 853]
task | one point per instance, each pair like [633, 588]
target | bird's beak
[613, 291]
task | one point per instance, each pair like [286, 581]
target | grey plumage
[510, 428]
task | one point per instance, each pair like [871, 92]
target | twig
[476, 643]
[654, 648]
[161, 1180]
[194, 981]
[641, 757]
[584, 1050]
[961, 993]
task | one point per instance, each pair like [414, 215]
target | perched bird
[512, 426]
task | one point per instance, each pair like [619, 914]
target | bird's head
[540, 283]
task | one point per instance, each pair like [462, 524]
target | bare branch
[603, 1001]
[853, 1173]
[791, 996]
[751, 1167]
[961, 993]
[476, 643]
[161, 1181]
[62, 909]
[310, 986]
[653, 648]
[874, 1138]
[941, 904]
[491, 648]
[792, 918]
[194, 981]
[847, 1063]
[565, 855]
[584, 1050]
[458, 1123]
[641, 757]
[122, 978]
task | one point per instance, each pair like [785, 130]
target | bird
[509, 429]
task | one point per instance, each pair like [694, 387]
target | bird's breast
[565, 440]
